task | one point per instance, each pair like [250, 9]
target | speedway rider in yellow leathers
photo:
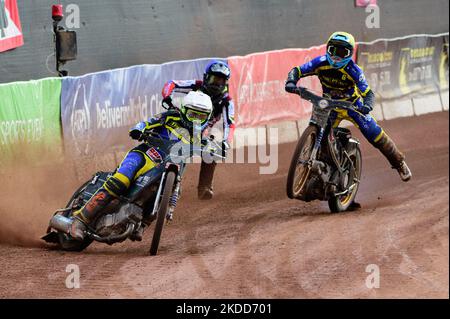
[174, 124]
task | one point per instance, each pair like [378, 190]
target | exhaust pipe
[61, 223]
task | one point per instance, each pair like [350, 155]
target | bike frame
[322, 107]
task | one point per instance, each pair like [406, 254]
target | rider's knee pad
[117, 184]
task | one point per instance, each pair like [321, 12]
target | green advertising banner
[30, 118]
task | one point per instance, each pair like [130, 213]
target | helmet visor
[217, 80]
[339, 51]
[196, 116]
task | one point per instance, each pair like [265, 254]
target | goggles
[196, 116]
[216, 80]
[339, 51]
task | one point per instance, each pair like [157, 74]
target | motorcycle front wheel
[299, 170]
[162, 211]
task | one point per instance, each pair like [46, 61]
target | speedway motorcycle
[152, 197]
[327, 162]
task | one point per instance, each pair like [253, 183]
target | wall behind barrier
[117, 33]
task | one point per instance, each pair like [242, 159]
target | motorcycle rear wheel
[342, 203]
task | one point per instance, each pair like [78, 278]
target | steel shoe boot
[396, 158]
[404, 171]
[89, 212]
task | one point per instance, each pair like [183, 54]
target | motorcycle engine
[116, 223]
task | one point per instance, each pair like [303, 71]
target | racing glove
[292, 79]
[369, 100]
[168, 101]
[137, 132]
[290, 87]
[365, 109]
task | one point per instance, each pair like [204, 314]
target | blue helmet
[216, 76]
[340, 47]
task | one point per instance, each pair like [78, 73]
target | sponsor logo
[154, 155]
[80, 121]
[323, 104]
[27, 131]
[422, 52]
[362, 78]
[379, 57]
[115, 116]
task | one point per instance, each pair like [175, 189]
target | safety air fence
[89, 116]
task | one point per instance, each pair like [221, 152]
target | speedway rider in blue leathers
[342, 79]
[174, 125]
[215, 84]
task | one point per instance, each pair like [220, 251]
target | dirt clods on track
[251, 241]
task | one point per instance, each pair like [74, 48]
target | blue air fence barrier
[98, 109]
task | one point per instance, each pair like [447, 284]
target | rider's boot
[388, 148]
[354, 206]
[89, 212]
[112, 188]
[205, 190]
[205, 193]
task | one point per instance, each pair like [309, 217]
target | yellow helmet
[340, 47]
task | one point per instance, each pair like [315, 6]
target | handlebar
[208, 145]
[322, 102]
[167, 104]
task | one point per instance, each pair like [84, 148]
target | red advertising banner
[10, 29]
[257, 86]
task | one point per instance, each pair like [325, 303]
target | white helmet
[196, 107]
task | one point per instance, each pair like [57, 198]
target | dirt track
[253, 242]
